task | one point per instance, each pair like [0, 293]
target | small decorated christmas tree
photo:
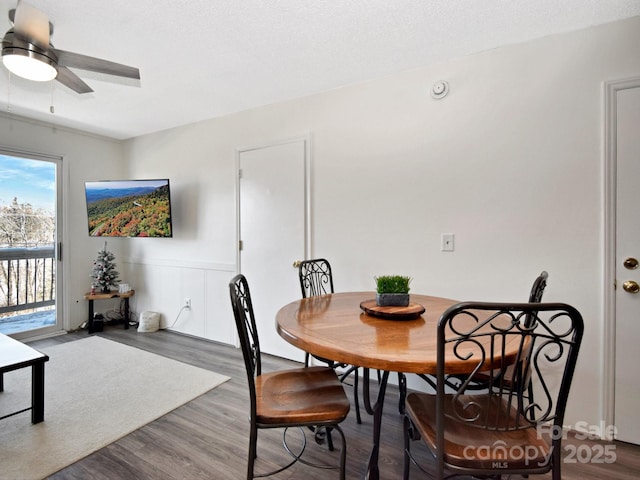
[104, 274]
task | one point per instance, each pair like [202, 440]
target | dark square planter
[392, 299]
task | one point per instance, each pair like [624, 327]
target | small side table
[15, 355]
[105, 296]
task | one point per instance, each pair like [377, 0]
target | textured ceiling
[201, 59]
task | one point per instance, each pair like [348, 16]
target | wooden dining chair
[493, 433]
[302, 397]
[316, 279]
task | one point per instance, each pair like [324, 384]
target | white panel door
[627, 386]
[273, 206]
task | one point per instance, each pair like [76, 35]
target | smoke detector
[440, 89]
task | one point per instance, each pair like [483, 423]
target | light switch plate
[447, 242]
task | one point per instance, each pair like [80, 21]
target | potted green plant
[392, 290]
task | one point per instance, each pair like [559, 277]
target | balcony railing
[27, 278]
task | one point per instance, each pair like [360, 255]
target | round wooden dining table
[335, 326]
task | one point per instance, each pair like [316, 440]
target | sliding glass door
[30, 270]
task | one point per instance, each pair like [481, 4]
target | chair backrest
[315, 277]
[537, 289]
[535, 296]
[247, 331]
[479, 334]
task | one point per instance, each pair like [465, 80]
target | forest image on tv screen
[140, 208]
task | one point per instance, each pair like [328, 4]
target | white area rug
[96, 391]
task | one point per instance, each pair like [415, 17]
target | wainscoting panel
[163, 286]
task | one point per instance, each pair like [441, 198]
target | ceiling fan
[28, 52]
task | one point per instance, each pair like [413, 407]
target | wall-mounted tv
[129, 208]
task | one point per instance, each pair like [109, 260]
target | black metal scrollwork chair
[480, 381]
[316, 279]
[301, 397]
[502, 430]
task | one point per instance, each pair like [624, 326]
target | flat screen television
[129, 208]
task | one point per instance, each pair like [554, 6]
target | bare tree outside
[22, 225]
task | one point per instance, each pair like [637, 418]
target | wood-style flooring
[208, 437]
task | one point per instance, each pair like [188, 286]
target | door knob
[631, 286]
[630, 263]
[297, 263]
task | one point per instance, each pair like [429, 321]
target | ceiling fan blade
[92, 64]
[31, 24]
[12, 19]
[71, 80]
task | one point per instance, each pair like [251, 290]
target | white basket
[149, 322]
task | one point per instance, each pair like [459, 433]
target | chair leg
[556, 458]
[320, 434]
[402, 387]
[329, 439]
[356, 380]
[343, 453]
[531, 402]
[407, 440]
[251, 460]
[355, 395]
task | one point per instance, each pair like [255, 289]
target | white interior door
[627, 338]
[273, 209]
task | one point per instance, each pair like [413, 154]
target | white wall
[510, 162]
[84, 157]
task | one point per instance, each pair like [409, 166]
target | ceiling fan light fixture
[27, 52]
[29, 64]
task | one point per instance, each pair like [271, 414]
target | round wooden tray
[410, 312]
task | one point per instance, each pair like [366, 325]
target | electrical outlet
[187, 303]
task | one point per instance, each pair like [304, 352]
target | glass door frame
[57, 160]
